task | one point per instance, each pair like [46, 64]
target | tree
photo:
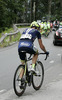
[61, 7]
[49, 9]
[17, 11]
[3, 12]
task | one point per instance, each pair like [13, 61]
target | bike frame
[29, 58]
[29, 77]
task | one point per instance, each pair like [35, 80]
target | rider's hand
[47, 53]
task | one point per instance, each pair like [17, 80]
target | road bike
[34, 79]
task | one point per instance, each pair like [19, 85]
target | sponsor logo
[24, 44]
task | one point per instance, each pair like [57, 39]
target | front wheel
[17, 82]
[37, 80]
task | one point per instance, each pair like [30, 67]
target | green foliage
[17, 11]
[7, 41]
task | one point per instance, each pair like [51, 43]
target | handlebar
[43, 53]
[29, 58]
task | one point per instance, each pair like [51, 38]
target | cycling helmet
[35, 24]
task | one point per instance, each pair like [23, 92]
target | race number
[26, 35]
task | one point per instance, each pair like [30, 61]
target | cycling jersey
[41, 25]
[45, 26]
[60, 23]
[31, 34]
[48, 25]
[26, 42]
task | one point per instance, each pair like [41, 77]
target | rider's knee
[23, 62]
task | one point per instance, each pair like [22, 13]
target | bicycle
[31, 78]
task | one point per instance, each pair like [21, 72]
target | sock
[33, 65]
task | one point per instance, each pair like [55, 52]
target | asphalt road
[9, 60]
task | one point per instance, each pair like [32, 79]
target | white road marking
[1, 91]
[58, 54]
[52, 61]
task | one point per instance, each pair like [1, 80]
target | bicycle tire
[14, 82]
[37, 87]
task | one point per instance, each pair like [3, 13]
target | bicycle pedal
[32, 72]
[36, 74]
[22, 86]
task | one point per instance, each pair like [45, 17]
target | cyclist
[56, 22]
[48, 26]
[26, 45]
[60, 23]
[45, 28]
[41, 28]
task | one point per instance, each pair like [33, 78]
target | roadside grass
[7, 30]
[9, 40]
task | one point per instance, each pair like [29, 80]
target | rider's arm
[41, 45]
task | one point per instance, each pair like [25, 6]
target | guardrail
[16, 30]
[23, 24]
[6, 34]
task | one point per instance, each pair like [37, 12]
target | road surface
[52, 85]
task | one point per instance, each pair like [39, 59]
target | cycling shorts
[26, 46]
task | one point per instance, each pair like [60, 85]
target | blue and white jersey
[27, 38]
[31, 34]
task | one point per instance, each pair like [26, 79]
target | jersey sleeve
[38, 35]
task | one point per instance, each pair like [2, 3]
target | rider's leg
[22, 56]
[34, 59]
[23, 69]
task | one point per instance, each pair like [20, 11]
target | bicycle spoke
[17, 82]
[38, 78]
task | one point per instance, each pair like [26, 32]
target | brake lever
[46, 56]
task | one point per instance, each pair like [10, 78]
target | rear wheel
[16, 82]
[37, 80]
